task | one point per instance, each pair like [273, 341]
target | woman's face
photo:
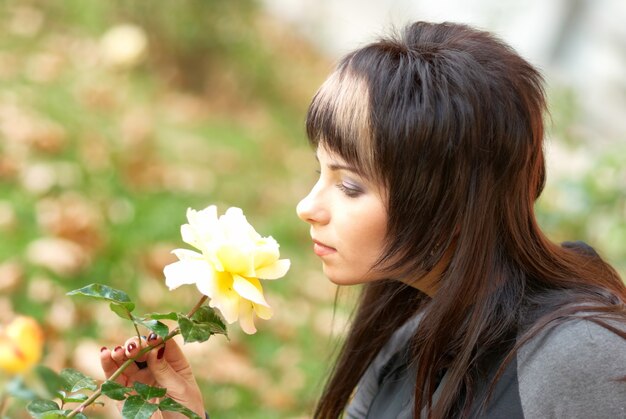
[348, 219]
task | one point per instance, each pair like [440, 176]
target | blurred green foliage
[100, 157]
[585, 196]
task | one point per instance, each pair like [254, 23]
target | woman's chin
[336, 279]
[345, 279]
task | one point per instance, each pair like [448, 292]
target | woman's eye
[351, 191]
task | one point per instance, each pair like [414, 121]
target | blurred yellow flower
[21, 345]
[233, 259]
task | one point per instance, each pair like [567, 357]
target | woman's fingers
[171, 370]
[173, 355]
[118, 355]
[132, 347]
[166, 367]
[110, 361]
[159, 362]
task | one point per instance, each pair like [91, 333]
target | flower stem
[136, 328]
[122, 367]
[197, 306]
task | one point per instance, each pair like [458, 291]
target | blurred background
[115, 116]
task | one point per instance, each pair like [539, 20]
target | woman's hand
[167, 367]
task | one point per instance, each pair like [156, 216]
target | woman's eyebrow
[337, 166]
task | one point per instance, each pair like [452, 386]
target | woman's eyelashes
[349, 189]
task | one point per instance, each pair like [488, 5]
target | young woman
[430, 147]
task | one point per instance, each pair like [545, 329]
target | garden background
[115, 116]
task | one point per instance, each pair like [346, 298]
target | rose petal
[266, 252]
[235, 225]
[186, 272]
[186, 254]
[236, 258]
[202, 227]
[218, 282]
[246, 317]
[204, 217]
[262, 312]
[189, 236]
[224, 297]
[275, 271]
[250, 289]
[204, 221]
[228, 304]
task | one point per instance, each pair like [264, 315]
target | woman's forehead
[331, 158]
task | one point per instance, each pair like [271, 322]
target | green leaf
[17, 389]
[121, 311]
[148, 392]
[39, 406]
[171, 405]
[207, 315]
[51, 380]
[163, 316]
[114, 390]
[154, 325]
[137, 408]
[106, 293]
[204, 323]
[76, 381]
[190, 332]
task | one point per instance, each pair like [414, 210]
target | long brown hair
[450, 120]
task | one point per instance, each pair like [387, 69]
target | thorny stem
[130, 316]
[197, 306]
[120, 370]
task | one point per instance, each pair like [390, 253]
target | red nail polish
[131, 347]
[104, 348]
[117, 348]
[152, 337]
[161, 352]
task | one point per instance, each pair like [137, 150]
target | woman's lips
[321, 249]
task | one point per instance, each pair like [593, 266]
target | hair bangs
[339, 119]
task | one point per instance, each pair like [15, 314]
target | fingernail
[131, 347]
[161, 352]
[104, 348]
[152, 336]
[117, 348]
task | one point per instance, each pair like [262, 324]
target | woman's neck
[429, 283]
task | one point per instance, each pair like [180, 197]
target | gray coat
[570, 371]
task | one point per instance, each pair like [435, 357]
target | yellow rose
[233, 258]
[21, 344]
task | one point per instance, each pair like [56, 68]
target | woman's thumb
[163, 372]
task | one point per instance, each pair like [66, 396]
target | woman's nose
[311, 210]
